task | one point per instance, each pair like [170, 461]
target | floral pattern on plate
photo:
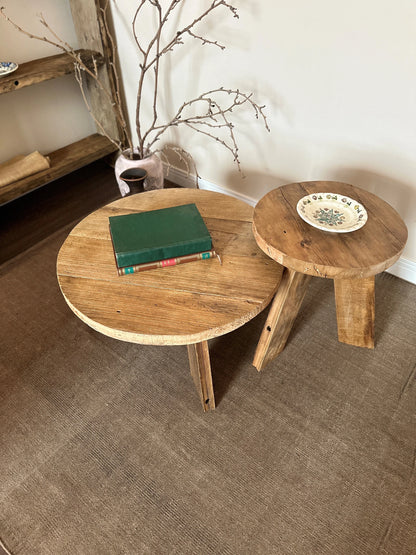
[332, 212]
[7, 67]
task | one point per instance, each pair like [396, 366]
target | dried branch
[210, 113]
[149, 60]
[177, 39]
[213, 113]
[206, 41]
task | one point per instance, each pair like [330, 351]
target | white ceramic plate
[332, 212]
[7, 67]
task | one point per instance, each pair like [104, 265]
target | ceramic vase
[152, 164]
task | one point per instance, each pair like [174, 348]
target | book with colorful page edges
[167, 262]
[157, 235]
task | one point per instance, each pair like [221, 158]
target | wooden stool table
[350, 259]
[180, 305]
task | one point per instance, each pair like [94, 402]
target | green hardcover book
[158, 234]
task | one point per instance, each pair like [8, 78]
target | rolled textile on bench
[22, 166]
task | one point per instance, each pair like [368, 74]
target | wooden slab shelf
[63, 161]
[44, 69]
[94, 53]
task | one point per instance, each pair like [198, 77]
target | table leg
[282, 314]
[199, 362]
[355, 303]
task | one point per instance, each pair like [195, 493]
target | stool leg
[282, 314]
[355, 303]
[199, 362]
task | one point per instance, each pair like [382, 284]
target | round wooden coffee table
[350, 259]
[179, 305]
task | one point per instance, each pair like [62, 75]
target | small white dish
[332, 212]
[7, 67]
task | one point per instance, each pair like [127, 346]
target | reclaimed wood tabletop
[350, 259]
[178, 305]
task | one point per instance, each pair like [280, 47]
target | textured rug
[104, 447]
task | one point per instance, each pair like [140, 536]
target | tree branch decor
[209, 113]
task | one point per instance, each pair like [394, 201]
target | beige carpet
[104, 448]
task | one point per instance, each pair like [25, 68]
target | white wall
[49, 115]
[339, 82]
[338, 79]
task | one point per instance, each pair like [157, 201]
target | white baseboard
[183, 179]
[180, 177]
[403, 268]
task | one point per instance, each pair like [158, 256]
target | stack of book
[159, 238]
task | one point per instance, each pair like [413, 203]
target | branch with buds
[208, 114]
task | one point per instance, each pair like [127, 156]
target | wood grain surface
[284, 236]
[88, 22]
[281, 317]
[200, 365]
[44, 69]
[350, 259]
[67, 159]
[178, 305]
[355, 304]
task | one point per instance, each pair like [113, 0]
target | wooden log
[355, 304]
[87, 16]
[282, 314]
[44, 69]
[200, 365]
